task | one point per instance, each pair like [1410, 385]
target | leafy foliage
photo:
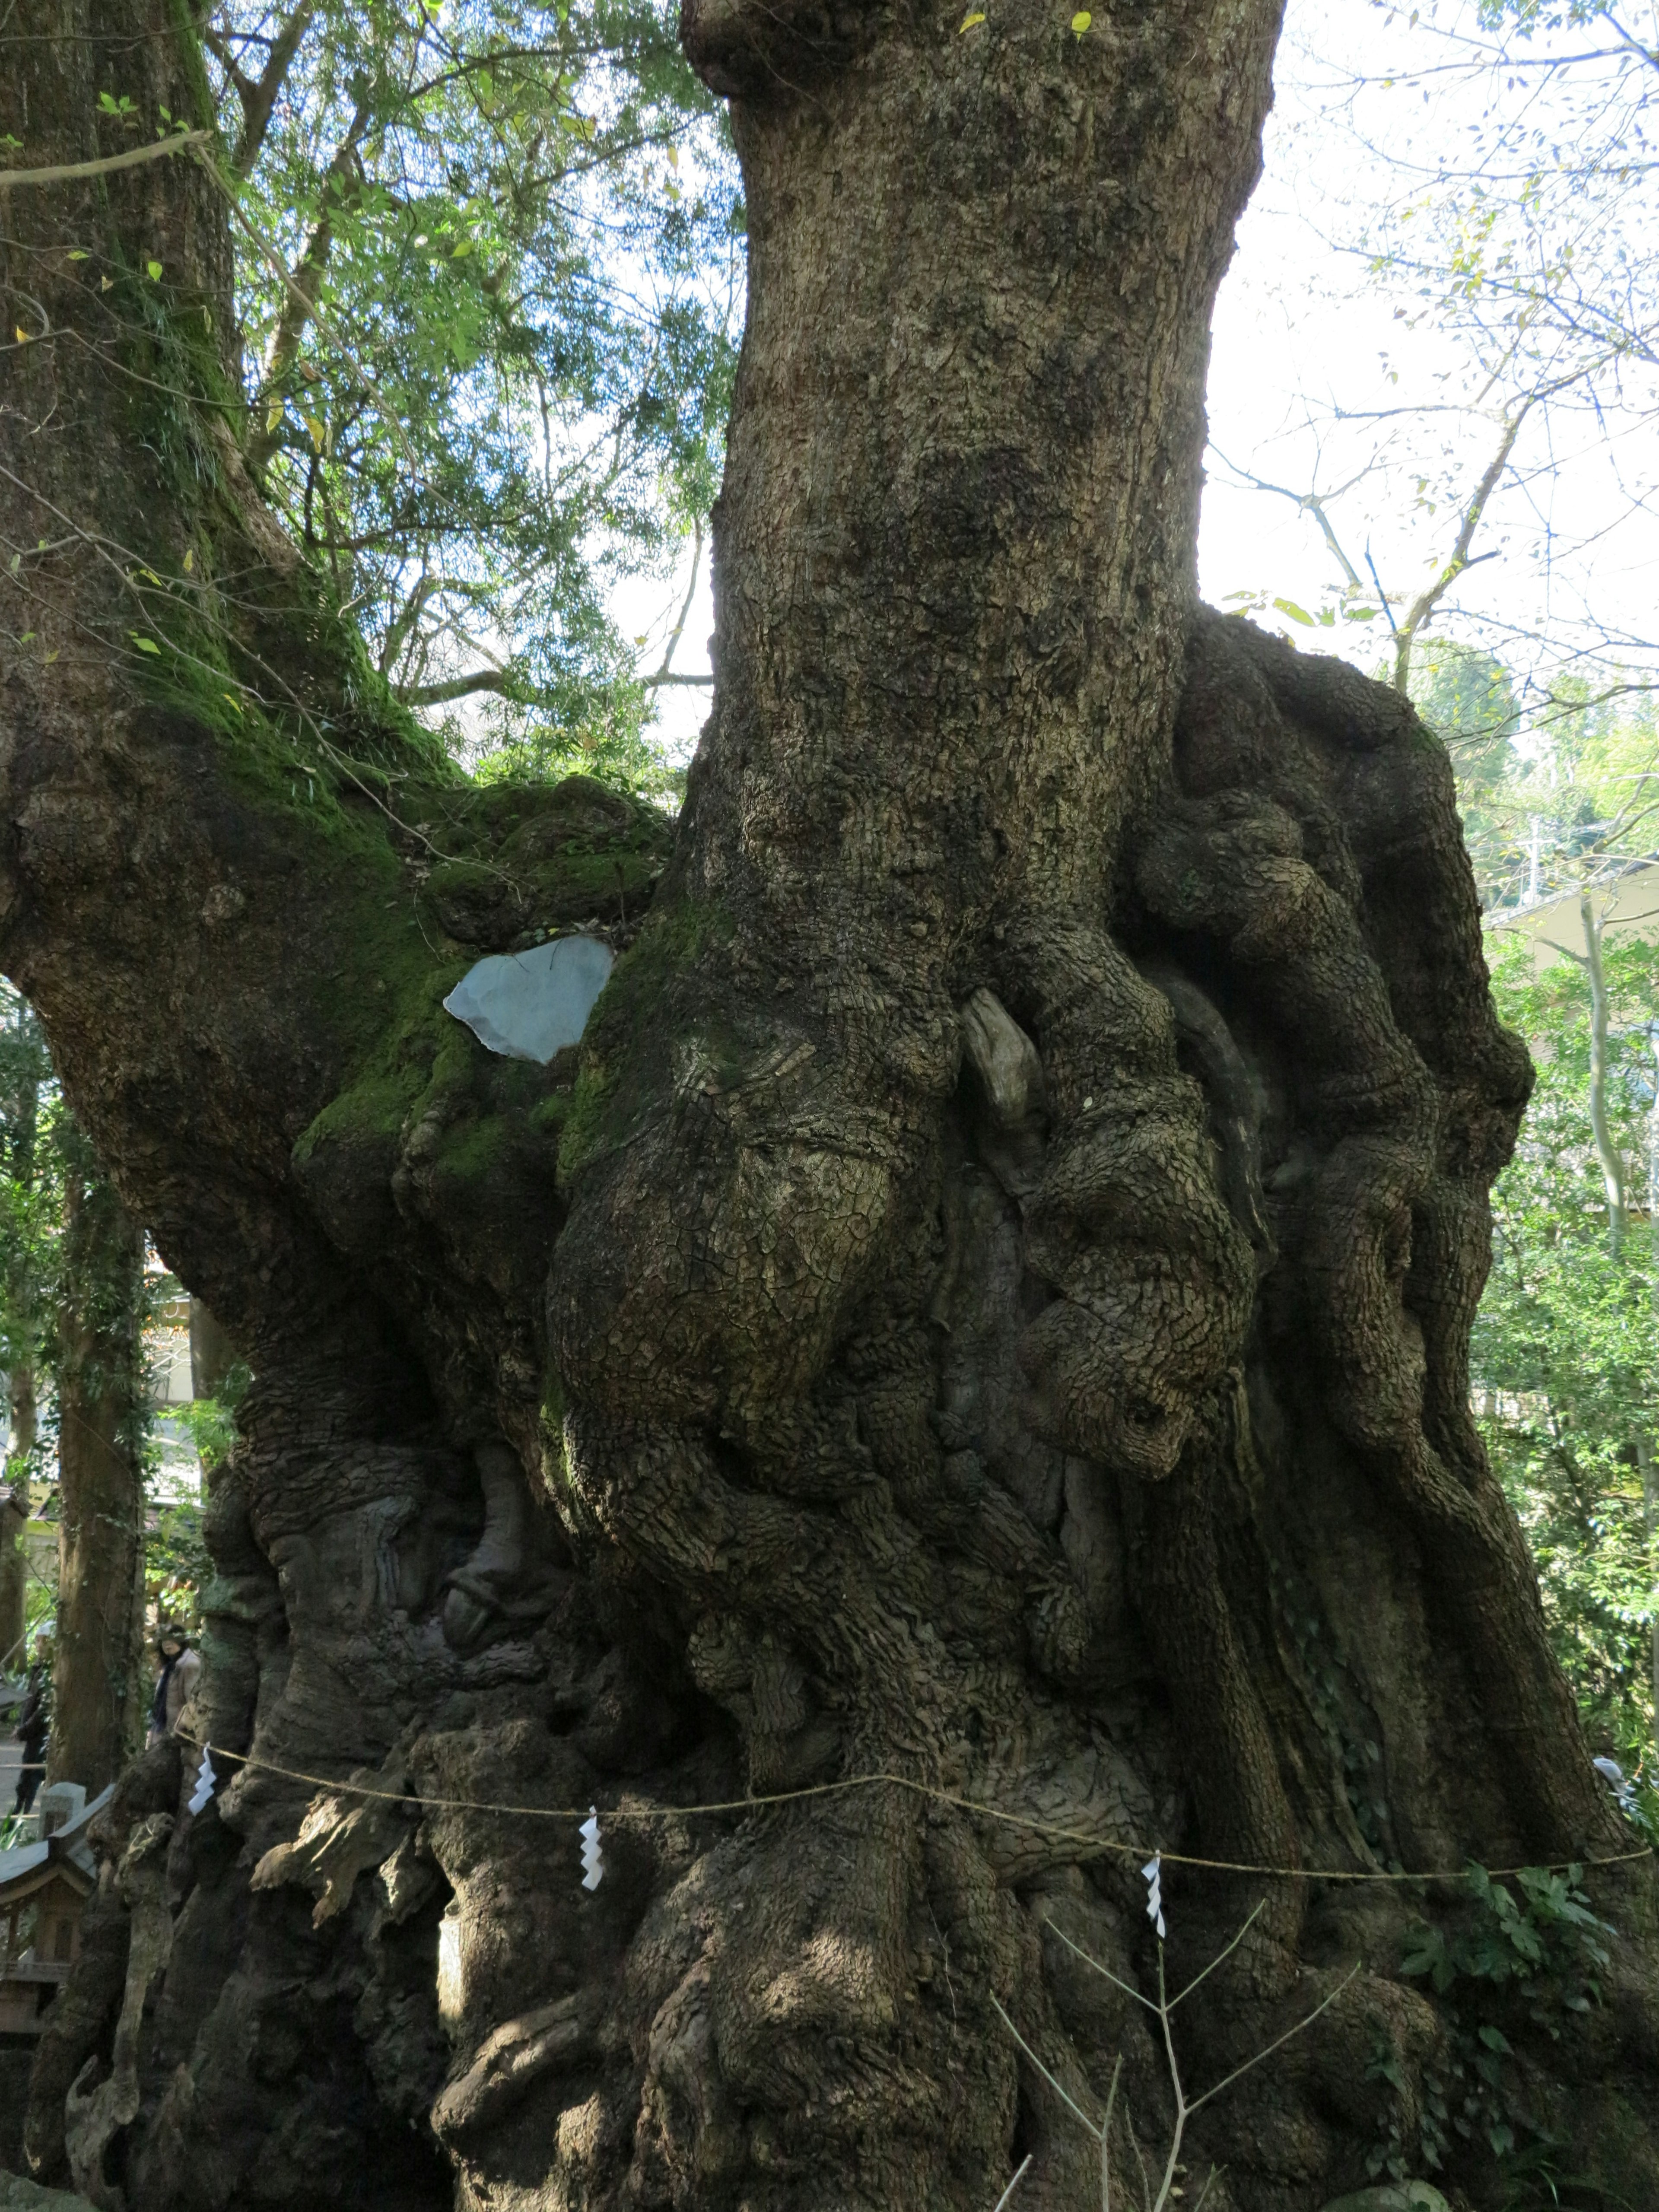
[59, 1289]
[1564, 1353]
[1527, 1955]
[490, 265]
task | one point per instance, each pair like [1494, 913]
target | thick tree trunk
[990, 1304]
[98, 1672]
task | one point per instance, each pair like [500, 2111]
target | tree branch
[678, 630]
[301, 289]
[1421, 611]
[1309, 502]
[259, 99]
[455, 687]
[1606, 1153]
[1628, 40]
[65, 173]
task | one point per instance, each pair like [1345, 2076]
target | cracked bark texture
[988, 1301]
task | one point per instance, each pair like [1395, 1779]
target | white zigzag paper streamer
[592, 1863]
[201, 1796]
[1153, 1872]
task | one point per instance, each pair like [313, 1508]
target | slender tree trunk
[1607, 1154]
[98, 1677]
[988, 1305]
[1649, 1472]
[212, 1354]
[14, 1560]
[22, 1297]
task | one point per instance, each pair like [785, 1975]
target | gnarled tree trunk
[988, 1305]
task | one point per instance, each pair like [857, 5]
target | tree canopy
[489, 269]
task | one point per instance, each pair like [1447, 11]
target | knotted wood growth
[989, 1302]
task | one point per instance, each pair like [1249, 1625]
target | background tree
[987, 1305]
[73, 1312]
[100, 1682]
[26, 1232]
[1564, 1352]
[1470, 445]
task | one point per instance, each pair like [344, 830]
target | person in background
[179, 1667]
[34, 1723]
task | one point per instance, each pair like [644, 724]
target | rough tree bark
[97, 1668]
[988, 1301]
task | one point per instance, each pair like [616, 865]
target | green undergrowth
[1514, 1967]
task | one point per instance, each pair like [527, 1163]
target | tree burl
[988, 1302]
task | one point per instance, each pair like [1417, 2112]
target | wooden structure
[43, 1888]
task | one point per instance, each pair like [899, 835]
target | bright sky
[1326, 379]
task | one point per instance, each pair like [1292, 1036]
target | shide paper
[528, 1005]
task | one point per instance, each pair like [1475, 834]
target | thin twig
[1127, 1988]
[1020, 2171]
[1058, 2087]
[1220, 1955]
[1181, 2106]
[1106, 2139]
[1227, 2079]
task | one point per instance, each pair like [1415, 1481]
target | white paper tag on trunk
[593, 1864]
[202, 1795]
[1153, 1872]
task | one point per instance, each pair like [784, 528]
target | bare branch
[259, 99]
[67, 172]
[455, 687]
[1421, 611]
[676, 634]
[1227, 2079]
[1058, 2087]
[1219, 1956]
[1309, 503]
[1020, 2173]
[341, 182]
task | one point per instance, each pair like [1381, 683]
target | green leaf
[155, 269]
[1080, 22]
[1296, 613]
[143, 644]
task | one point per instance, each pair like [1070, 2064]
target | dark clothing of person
[33, 1726]
[172, 1689]
[158, 1703]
